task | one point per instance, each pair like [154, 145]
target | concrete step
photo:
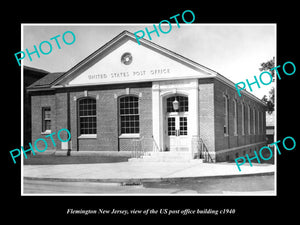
[165, 160]
[164, 157]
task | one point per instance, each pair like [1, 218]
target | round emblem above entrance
[126, 58]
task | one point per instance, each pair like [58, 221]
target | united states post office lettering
[130, 74]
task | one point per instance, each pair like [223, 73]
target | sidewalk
[139, 171]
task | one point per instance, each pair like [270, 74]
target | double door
[177, 131]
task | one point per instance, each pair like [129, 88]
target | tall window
[46, 117]
[262, 122]
[129, 115]
[87, 116]
[235, 117]
[243, 118]
[249, 120]
[258, 122]
[254, 119]
[226, 114]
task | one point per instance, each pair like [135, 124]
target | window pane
[183, 126]
[171, 126]
[226, 115]
[235, 117]
[183, 104]
[47, 125]
[46, 119]
[87, 116]
[129, 115]
[47, 113]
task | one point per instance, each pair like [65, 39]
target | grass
[58, 160]
[63, 159]
[218, 184]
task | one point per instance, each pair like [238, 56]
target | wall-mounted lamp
[175, 104]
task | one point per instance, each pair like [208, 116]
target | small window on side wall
[46, 120]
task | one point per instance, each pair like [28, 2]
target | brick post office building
[125, 93]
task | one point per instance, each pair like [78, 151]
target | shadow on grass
[218, 185]
[58, 160]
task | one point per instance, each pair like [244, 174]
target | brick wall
[207, 114]
[107, 138]
[232, 141]
[61, 116]
[211, 118]
[37, 103]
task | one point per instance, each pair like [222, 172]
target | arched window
[183, 104]
[87, 116]
[243, 119]
[129, 115]
[249, 120]
[253, 121]
[258, 123]
[235, 117]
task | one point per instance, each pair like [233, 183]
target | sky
[233, 50]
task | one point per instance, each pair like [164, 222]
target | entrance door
[176, 124]
[177, 132]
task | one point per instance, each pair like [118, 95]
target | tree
[269, 101]
[266, 66]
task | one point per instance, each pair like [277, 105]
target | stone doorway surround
[161, 90]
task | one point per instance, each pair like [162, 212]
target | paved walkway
[130, 171]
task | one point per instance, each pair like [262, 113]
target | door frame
[177, 137]
[161, 90]
[166, 115]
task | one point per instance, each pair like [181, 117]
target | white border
[22, 110]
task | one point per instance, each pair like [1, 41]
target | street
[246, 185]
[58, 187]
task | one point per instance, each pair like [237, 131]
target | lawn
[56, 160]
[218, 184]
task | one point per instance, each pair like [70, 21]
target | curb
[139, 181]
